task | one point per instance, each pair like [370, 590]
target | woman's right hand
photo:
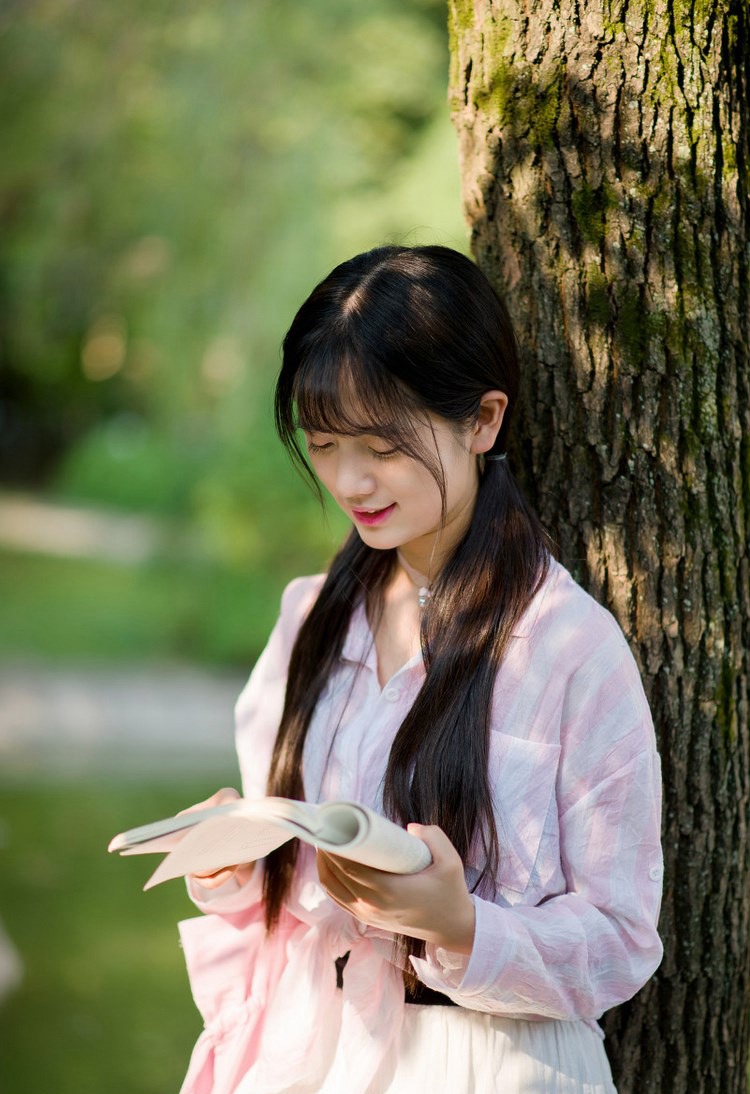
[242, 872]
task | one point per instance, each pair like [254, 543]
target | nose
[354, 480]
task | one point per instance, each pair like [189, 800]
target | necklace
[424, 592]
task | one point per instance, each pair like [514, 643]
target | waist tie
[421, 995]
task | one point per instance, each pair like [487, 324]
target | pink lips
[366, 516]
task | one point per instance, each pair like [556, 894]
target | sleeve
[581, 951]
[257, 717]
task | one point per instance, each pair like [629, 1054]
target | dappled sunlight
[604, 158]
[104, 348]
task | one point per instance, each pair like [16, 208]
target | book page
[163, 835]
[243, 831]
[218, 842]
[378, 842]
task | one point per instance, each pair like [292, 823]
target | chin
[380, 541]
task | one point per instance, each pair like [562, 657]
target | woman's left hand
[434, 904]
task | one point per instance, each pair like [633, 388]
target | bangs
[340, 391]
[351, 396]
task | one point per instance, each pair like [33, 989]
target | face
[392, 498]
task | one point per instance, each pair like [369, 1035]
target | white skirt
[451, 1050]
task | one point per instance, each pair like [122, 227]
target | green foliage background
[104, 1005]
[176, 179]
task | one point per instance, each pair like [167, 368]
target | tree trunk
[605, 152]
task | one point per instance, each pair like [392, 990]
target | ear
[492, 407]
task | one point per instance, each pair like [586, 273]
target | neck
[418, 579]
[426, 555]
[420, 582]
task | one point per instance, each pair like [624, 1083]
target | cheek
[460, 479]
[324, 471]
[422, 494]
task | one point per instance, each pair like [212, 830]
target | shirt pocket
[522, 778]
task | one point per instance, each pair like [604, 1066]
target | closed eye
[389, 454]
[316, 449]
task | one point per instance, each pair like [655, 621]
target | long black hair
[386, 338]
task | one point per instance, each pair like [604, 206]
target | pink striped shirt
[571, 929]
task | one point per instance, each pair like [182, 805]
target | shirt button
[391, 695]
[655, 873]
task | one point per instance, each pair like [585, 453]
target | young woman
[448, 672]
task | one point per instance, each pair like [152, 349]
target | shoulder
[273, 663]
[296, 601]
[563, 612]
[578, 641]
[300, 594]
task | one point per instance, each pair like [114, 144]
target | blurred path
[132, 720]
[42, 526]
[161, 721]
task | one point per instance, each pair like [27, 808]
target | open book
[241, 831]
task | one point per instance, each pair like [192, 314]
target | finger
[336, 887]
[438, 844]
[368, 877]
[329, 871]
[361, 881]
[242, 872]
[213, 881]
[226, 794]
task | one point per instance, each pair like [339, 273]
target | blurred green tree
[177, 178]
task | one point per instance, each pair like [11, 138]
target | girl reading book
[448, 672]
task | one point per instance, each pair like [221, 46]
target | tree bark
[605, 156]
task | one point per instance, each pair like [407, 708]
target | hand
[434, 904]
[242, 872]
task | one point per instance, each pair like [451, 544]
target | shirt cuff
[442, 969]
[465, 974]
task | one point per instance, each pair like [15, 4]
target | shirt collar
[359, 644]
